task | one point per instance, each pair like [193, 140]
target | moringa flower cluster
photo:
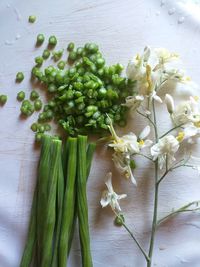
[152, 71]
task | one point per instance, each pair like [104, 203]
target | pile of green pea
[84, 92]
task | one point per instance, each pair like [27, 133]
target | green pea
[39, 60]
[32, 18]
[72, 56]
[40, 39]
[61, 65]
[3, 99]
[38, 137]
[46, 54]
[34, 127]
[21, 96]
[34, 95]
[38, 104]
[52, 40]
[41, 128]
[19, 77]
[70, 46]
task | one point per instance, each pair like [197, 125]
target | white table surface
[121, 28]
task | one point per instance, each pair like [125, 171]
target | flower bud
[169, 101]
[119, 220]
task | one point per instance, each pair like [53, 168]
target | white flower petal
[157, 98]
[105, 200]
[109, 182]
[145, 132]
[169, 101]
[122, 196]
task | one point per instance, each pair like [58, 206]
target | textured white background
[121, 28]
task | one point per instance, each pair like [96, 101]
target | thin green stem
[133, 237]
[182, 209]
[155, 121]
[171, 130]
[155, 211]
[147, 117]
[136, 241]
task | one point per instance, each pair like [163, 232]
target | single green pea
[41, 128]
[34, 95]
[38, 137]
[41, 117]
[48, 70]
[39, 60]
[61, 65]
[72, 56]
[34, 127]
[19, 77]
[3, 99]
[92, 48]
[27, 108]
[72, 72]
[46, 54]
[100, 62]
[38, 104]
[40, 39]
[21, 96]
[52, 40]
[32, 18]
[70, 46]
[102, 92]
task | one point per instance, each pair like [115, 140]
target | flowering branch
[151, 71]
[185, 208]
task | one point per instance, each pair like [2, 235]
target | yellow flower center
[180, 136]
[141, 142]
[197, 124]
[196, 98]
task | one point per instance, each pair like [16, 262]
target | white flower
[122, 163]
[169, 101]
[187, 111]
[191, 133]
[127, 146]
[165, 150]
[153, 69]
[109, 197]
[133, 102]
